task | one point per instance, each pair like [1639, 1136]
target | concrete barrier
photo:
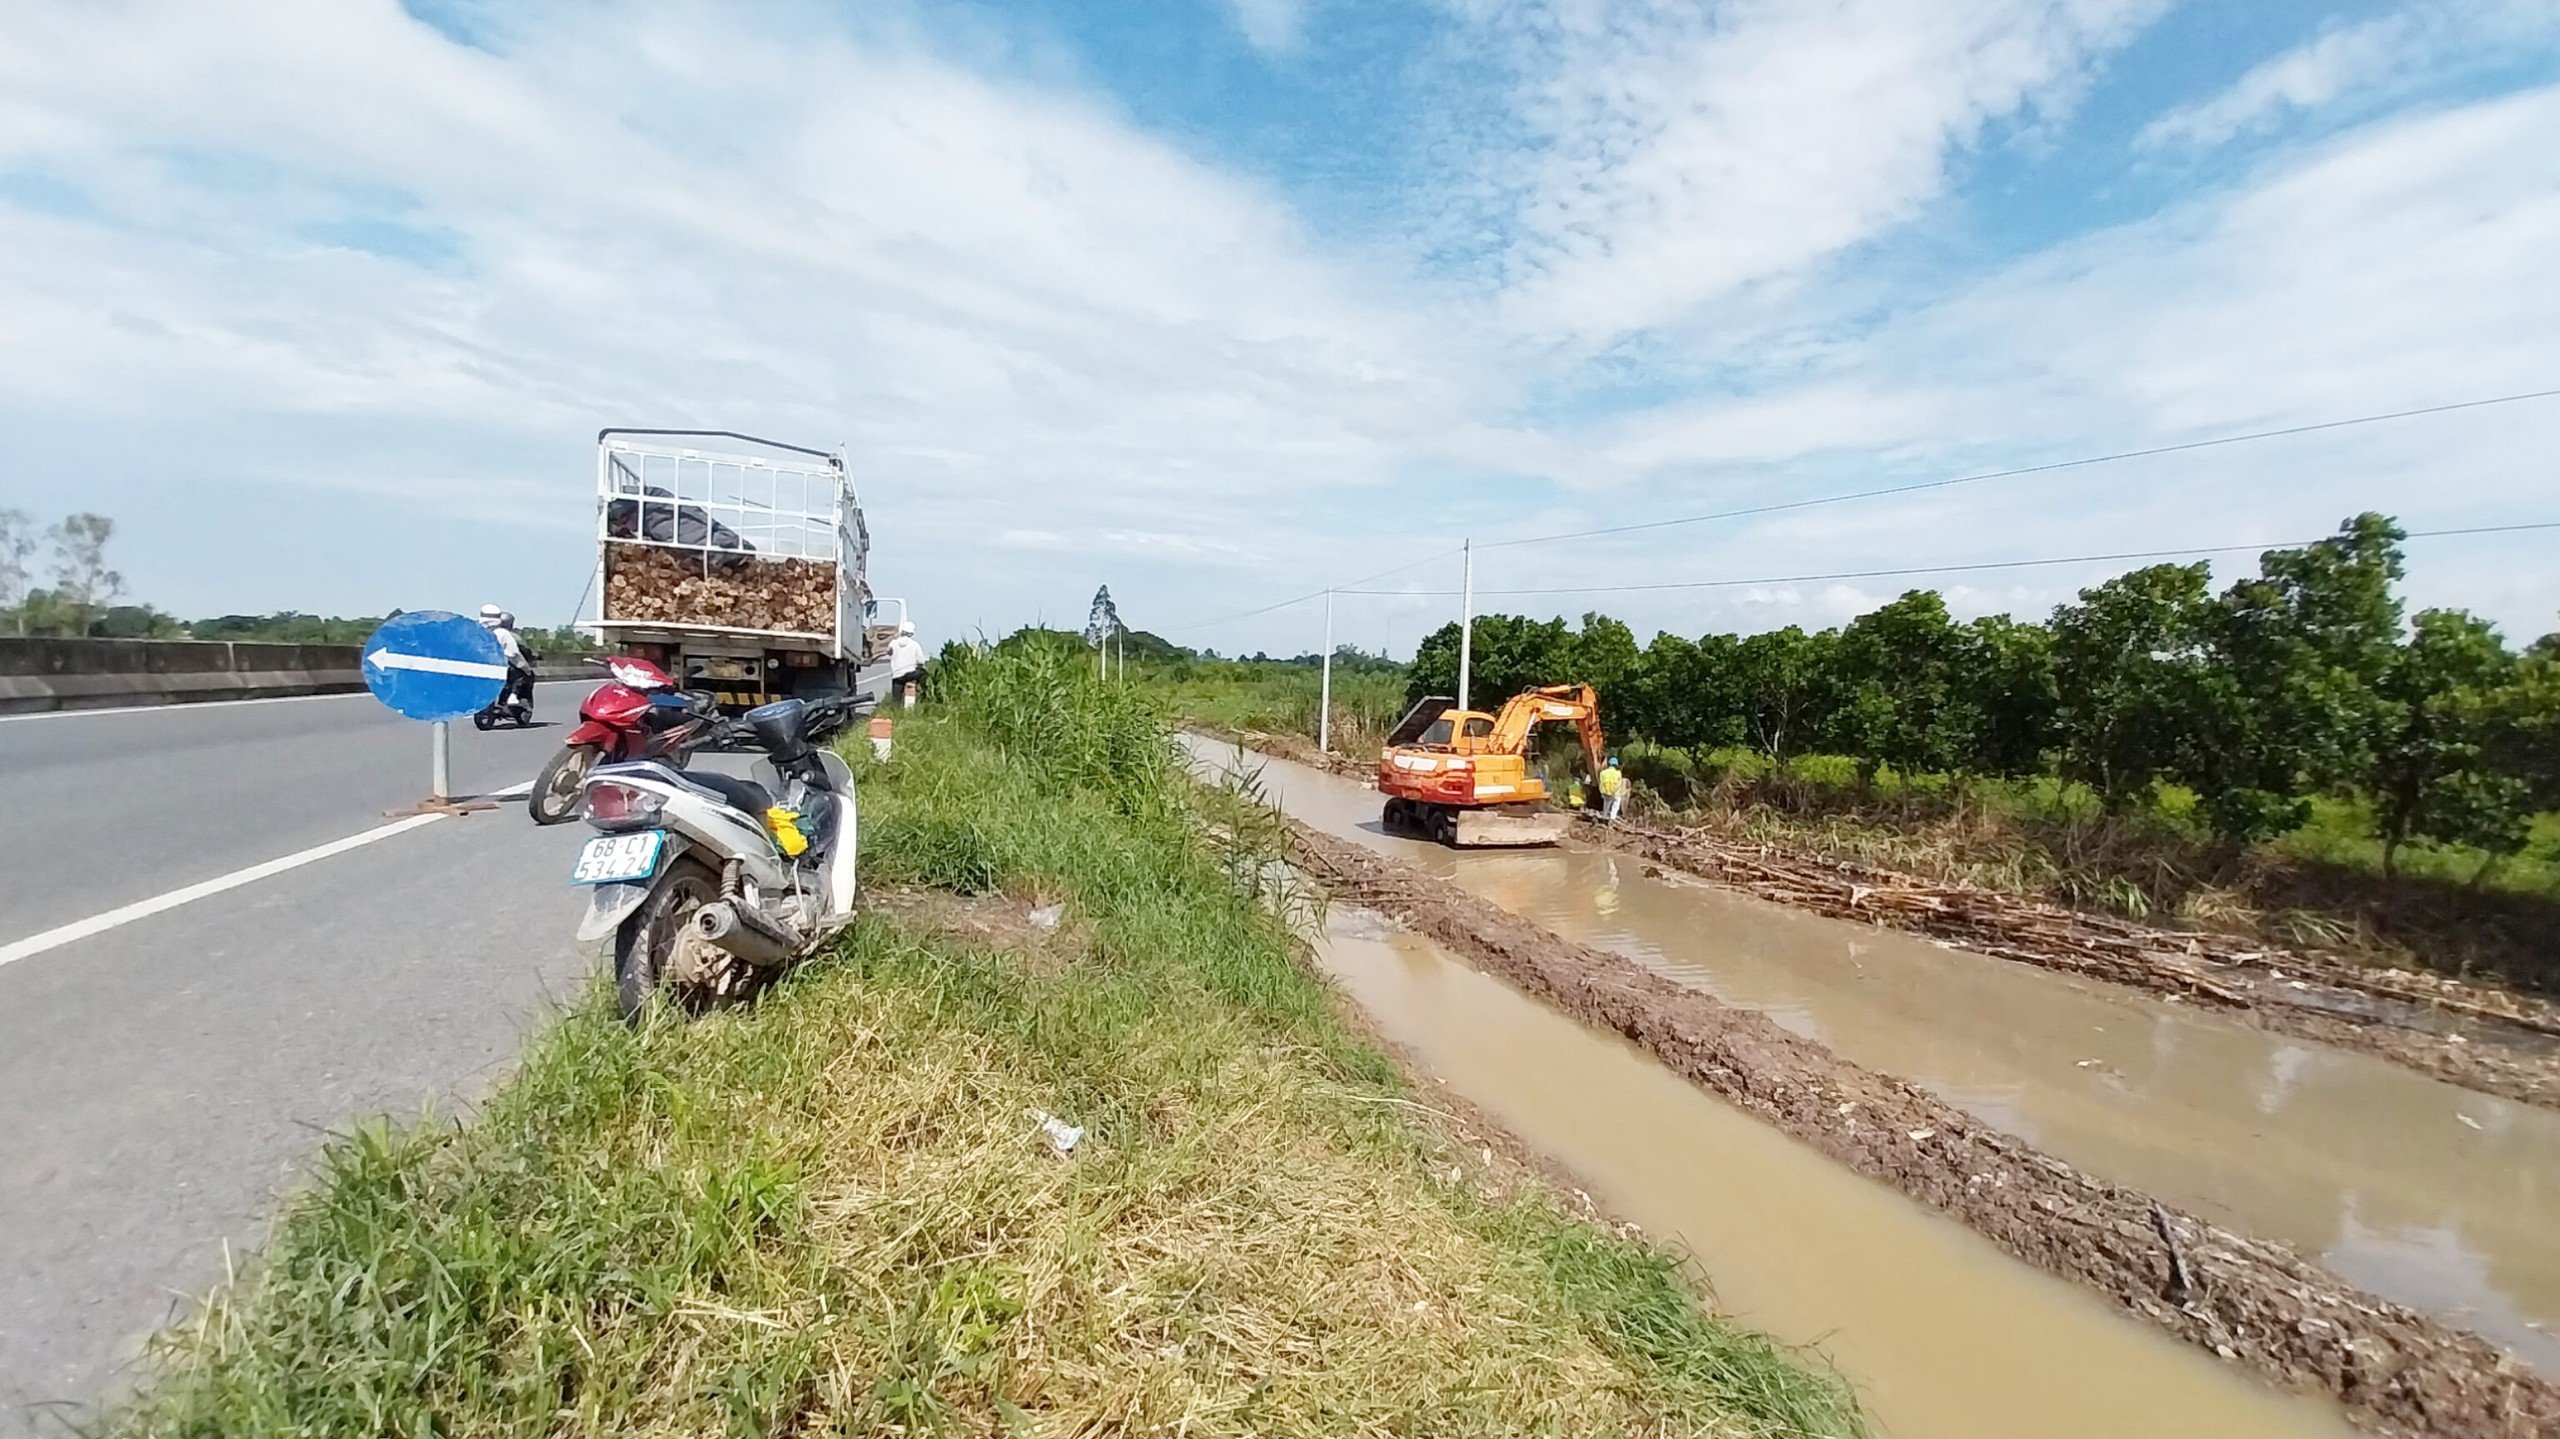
[39, 674]
[54, 674]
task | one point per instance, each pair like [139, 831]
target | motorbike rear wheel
[644, 947]
[554, 799]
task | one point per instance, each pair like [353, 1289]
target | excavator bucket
[1510, 827]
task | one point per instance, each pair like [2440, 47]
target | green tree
[1785, 676]
[2131, 663]
[1604, 656]
[1687, 693]
[2295, 702]
[17, 546]
[1899, 697]
[2430, 773]
[81, 580]
[2519, 724]
[1512, 653]
[2005, 687]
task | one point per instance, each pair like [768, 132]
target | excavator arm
[1578, 705]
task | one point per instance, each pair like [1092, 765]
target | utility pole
[1324, 693]
[1467, 624]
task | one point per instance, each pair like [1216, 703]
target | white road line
[191, 705]
[36, 944]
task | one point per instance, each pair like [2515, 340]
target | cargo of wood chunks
[733, 591]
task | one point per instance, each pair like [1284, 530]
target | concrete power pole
[1467, 625]
[1324, 693]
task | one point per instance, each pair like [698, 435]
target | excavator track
[1508, 826]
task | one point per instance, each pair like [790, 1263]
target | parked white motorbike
[708, 884]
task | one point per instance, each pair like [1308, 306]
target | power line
[1348, 587]
[1342, 589]
[1956, 569]
[2080, 463]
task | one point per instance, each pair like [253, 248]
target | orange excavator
[1462, 777]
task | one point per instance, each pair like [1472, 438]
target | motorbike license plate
[617, 858]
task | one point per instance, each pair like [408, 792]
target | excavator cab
[1437, 723]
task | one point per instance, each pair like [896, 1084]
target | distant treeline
[2305, 679]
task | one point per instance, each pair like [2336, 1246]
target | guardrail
[39, 674]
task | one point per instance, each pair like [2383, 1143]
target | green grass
[1279, 698]
[830, 1212]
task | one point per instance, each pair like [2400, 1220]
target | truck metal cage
[711, 532]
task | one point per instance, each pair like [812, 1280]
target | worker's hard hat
[491, 614]
[906, 627]
[506, 619]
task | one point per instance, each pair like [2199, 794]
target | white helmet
[492, 616]
[906, 627]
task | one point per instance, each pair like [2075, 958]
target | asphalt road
[163, 1080]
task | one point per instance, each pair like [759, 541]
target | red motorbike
[637, 714]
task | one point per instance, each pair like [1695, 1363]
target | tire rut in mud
[2256, 1304]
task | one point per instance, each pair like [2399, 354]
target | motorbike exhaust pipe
[750, 934]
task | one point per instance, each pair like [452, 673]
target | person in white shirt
[519, 666]
[906, 664]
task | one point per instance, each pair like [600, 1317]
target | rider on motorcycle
[519, 661]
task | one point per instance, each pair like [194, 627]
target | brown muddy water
[1943, 1335]
[2440, 1198]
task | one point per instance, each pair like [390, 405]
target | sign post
[435, 666]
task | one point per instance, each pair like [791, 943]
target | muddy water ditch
[2395, 1370]
[1943, 1335]
[2428, 1195]
[2479, 1035]
[2496, 1041]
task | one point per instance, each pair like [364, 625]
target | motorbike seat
[741, 794]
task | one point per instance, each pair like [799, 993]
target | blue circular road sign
[432, 665]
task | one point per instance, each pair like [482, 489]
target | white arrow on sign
[433, 664]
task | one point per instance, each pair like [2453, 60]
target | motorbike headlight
[613, 806]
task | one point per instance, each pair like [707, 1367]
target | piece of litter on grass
[1061, 1134]
[1919, 1134]
[2467, 1119]
[1047, 915]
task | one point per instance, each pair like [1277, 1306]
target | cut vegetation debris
[832, 1211]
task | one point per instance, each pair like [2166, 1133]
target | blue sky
[1221, 301]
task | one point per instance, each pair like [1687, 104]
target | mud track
[2479, 1036]
[2396, 1371]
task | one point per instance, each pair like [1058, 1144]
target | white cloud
[1275, 27]
[1062, 350]
[2390, 267]
[1677, 154]
[2345, 59]
[1007, 299]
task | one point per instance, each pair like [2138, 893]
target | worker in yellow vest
[1613, 791]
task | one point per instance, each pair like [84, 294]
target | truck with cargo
[736, 564]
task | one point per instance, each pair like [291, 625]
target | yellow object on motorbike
[785, 825]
